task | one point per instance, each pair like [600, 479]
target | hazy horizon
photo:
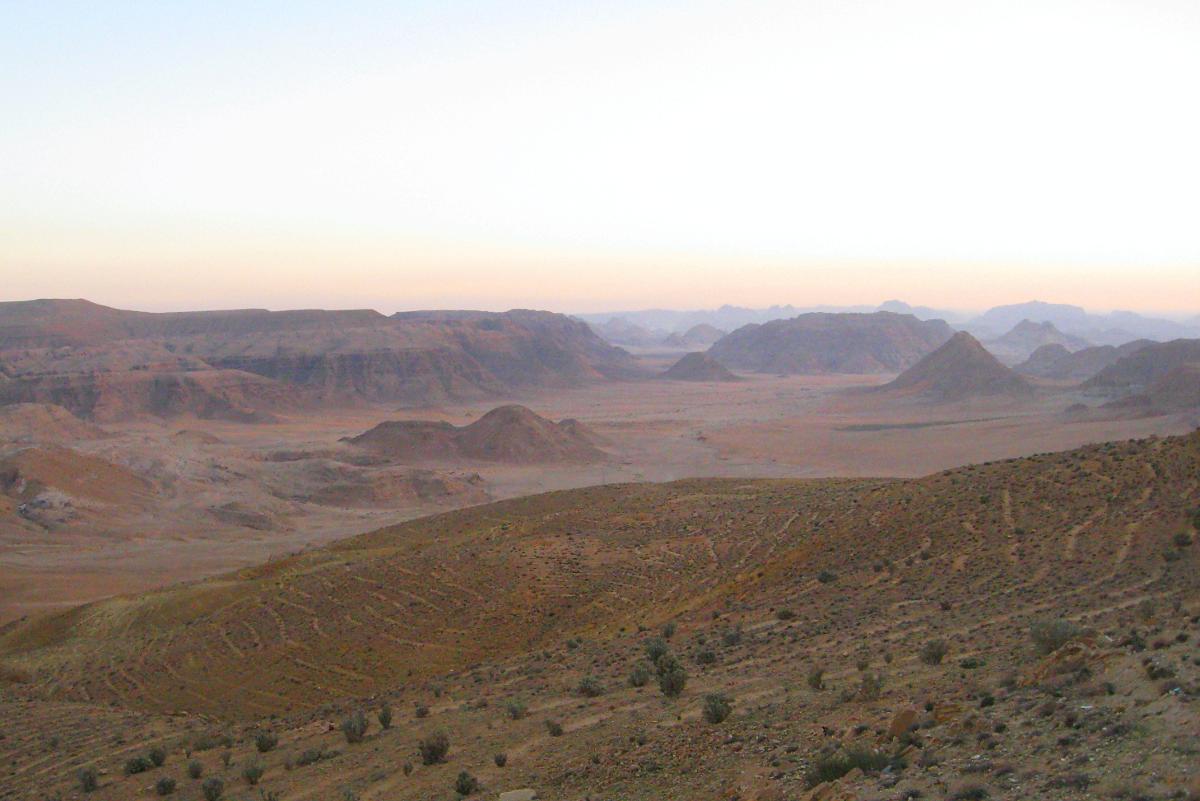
[601, 156]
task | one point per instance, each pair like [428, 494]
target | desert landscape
[656, 401]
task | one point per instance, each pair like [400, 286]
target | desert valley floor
[185, 498]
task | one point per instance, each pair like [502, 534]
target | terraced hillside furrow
[974, 550]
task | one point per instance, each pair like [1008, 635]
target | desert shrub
[672, 680]
[639, 675]
[706, 657]
[816, 678]
[164, 786]
[206, 742]
[785, 615]
[832, 767]
[969, 792]
[870, 686]
[421, 711]
[933, 652]
[354, 728]
[225, 757]
[308, 756]
[385, 716]
[668, 631]
[265, 741]
[433, 749]
[157, 756]
[408, 768]
[554, 728]
[252, 772]
[212, 789]
[716, 708]
[89, 779]
[466, 784]
[590, 687]
[501, 759]
[194, 769]
[732, 637]
[656, 648]
[516, 708]
[1050, 635]
[1182, 539]
[826, 577]
[572, 644]
[137, 764]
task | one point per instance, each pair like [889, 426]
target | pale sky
[582, 156]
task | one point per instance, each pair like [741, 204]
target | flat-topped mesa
[71, 352]
[961, 369]
[820, 343]
[512, 434]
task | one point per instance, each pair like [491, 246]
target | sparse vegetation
[252, 772]
[212, 789]
[501, 759]
[717, 707]
[157, 756]
[1050, 635]
[639, 675]
[434, 748]
[164, 786]
[137, 764]
[354, 728]
[265, 741]
[590, 687]
[516, 708]
[195, 769]
[933, 652]
[466, 784]
[385, 717]
[672, 679]
[89, 779]
[831, 767]
[554, 728]
[656, 648]
[816, 678]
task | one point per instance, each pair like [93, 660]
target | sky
[585, 156]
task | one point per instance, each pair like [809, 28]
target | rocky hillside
[93, 359]
[983, 632]
[959, 370]
[1057, 362]
[1143, 368]
[832, 343]
[512, 434]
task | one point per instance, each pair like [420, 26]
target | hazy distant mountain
[698, 336]
[1115, 328]
[880, 342]
[729, 318]
[1026, 337]
[698, 367]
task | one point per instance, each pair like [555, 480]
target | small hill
[44, 422]
[698, 367]
[1027, 336]
[512, 434]
[698, 336]
[959, 370]
[28, 473]
[820, 343]
[1140, 370]
[1042, 360]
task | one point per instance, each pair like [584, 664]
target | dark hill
[698, 367]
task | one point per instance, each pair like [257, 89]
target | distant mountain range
[653, 326]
